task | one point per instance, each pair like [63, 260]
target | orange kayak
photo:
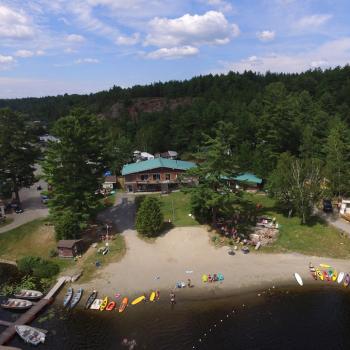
[110, 306]
[124, 304]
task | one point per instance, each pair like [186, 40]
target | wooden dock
[31, 314]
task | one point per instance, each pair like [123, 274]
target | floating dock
[31, 314]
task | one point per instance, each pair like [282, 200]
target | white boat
[30, 335]
[96, 304]
[16, 304]
[298, 278]
[340, 277]
[29, 294]
[76, 298]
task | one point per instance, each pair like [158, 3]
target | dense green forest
[307, 114]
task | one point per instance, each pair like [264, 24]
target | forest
[306, 115]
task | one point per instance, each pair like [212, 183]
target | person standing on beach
[172, 297]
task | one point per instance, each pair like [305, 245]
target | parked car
[44, 199]
[327, 206]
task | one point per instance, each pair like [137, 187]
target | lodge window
[144, 177]
[156, 177]
[167, 176]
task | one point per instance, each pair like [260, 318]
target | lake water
[277, 319]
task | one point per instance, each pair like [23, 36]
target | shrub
[138, 201]
[53, 252]
[37, 267]
[149, 218]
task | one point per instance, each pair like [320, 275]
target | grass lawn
[117, 249]
[316, 238]
[6, 222]
[176, 207]
[34, 238]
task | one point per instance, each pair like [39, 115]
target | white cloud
[173, 52]
[86, 60]
[266, 35]
[128, 40]
[6, 59]
[75, 38]
[14, 24]
[330, 54]
[209, 28]
[24, 53]
[221, 5]
[6, 62]
[70, 50]
[313, 21]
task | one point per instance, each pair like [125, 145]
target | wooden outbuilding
[69, 248]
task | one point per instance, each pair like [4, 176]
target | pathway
[336, 221]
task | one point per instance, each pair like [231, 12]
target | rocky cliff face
[146, 105]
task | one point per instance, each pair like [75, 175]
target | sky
[50, 47]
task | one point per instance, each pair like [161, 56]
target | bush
[67, 226]
[138, 201]
[149, 218]
[53, 253]
[37, 267]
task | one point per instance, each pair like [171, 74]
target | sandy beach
[187, 253]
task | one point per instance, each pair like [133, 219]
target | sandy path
[188, 248]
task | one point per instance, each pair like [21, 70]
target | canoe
[346, 280]
[340, 277]
[152, 296]
[123, 305]
[110, 306]
[96, 304]
[76, 298]
[68, 297]
[104, 304]
[30, 335]
[138, 300]
[16, 304]
[320, 274]
[90, 299]
[298, 278]
[29, 294]
[313, 271]
[334, 276]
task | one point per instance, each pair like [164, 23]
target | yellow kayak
[320, 274]
[138, 300]
[152, 297]
[104, 304]
[325, 265]
[334, 276]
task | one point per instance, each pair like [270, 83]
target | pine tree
[149, 218]
[337, 156]
[18, 153]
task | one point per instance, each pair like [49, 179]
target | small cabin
[69, 248]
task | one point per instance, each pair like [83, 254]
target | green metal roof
[245, 177]
[156, 163]
[248, 177]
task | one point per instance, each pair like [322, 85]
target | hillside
[272, 113]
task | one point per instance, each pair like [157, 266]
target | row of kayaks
[212, 277]
[327, 273]
[71, 299]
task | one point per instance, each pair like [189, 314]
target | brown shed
[69, 248]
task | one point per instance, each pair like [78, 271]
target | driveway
[122, 214]
[336, 221]
[31, 204]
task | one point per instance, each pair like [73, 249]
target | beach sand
[159, 265]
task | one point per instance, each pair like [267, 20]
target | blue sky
[50, 47]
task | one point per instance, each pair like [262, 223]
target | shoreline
[159, 266]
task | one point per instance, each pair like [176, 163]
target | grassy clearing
[6, 222]
[117, 249]
[176, 207]
[34, 238]
[316, 238]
